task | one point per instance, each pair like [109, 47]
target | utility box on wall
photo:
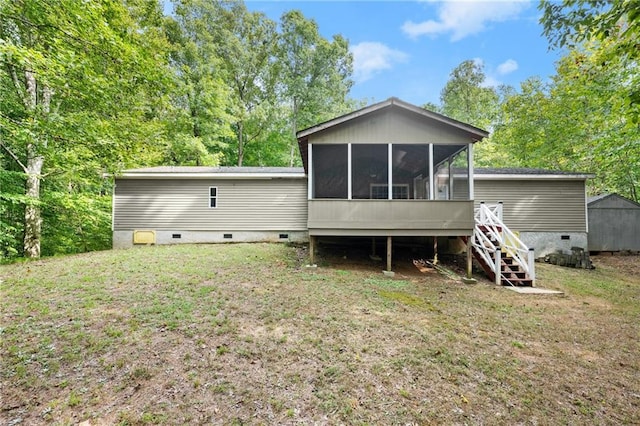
[144, 237]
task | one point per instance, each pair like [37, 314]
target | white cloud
[369, 58]
[507, 67]
[490, 81]
[464, 18]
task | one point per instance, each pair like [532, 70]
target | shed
[614, 223]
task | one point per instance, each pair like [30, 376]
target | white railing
[488, 228]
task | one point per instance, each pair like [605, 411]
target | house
[382, 171]
[546, 209]
[388, 171]
[168, 205]
[614, 223]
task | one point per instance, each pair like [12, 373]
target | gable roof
[592, 201]
[202, 172]
[475, 134]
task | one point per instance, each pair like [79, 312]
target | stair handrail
[488, 219]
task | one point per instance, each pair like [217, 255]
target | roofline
[602, 197]
[532, 176]
[209, 175]
[479, 133]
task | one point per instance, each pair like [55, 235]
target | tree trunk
[35, 161]
[240, 143]
[32, 217]
[294, 125]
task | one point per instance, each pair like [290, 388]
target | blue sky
[408, 48]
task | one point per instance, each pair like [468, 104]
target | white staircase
[502, 255]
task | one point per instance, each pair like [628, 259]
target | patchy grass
[242, 334]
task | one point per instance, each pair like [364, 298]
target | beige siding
[390, 217]
[183, 204]
[542, 205]
[391, 126]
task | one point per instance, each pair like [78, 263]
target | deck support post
[312, 249]
[389, 245]
[532, 267]
[469, 260]
[373, 246]
[435, 250]
[498, 265]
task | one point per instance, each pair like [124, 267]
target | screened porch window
[369, 171]
[411, 171]
[330, 171]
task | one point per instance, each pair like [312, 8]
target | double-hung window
[213, 197]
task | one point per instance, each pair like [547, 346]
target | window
[213, 197]
[381, 192]
[330, 171]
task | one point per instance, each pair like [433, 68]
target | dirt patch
[626, 263]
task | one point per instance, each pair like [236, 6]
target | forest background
[88, 89]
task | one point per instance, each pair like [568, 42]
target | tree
[200, 121]
[78, 77]
[572, 22]
[315, 74]
[466, 98]
[572, 123]
[245, 43]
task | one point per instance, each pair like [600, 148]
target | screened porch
[390, 189]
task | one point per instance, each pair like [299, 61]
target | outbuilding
[614, 223]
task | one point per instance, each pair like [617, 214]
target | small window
[213, 197]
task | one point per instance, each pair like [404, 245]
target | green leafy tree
[466, 98]
[569, 23]
[245, 44]
[200, 123]
[574, 123]
[315, 74]
[81, 84]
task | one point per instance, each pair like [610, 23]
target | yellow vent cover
[144, 237]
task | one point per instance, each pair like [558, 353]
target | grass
[243, 334]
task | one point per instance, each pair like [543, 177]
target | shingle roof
[196, 172]
[522, 171]
[222, 170]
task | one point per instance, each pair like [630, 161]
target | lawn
[245, 334]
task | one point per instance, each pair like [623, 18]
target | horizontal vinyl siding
[242, 205]
[391, 126]
[537, 205]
